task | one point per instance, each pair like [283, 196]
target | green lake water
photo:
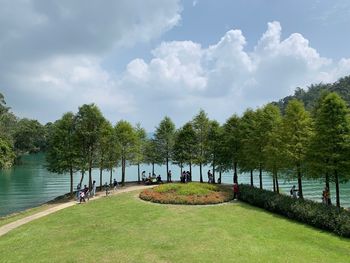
[30, 184]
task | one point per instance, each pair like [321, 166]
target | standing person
[293, 192]
[327, 196]
[235, 191]
[169, 176]
[86, 192]
[209, 177]
[143, 176]
[106, 188]
[78, 191]
[81, 196]
[115, 184]
[93, 188]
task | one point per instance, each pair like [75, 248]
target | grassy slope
[125, 229]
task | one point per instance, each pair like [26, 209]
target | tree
[214, 145]
[274, 147]
[139, 148]
[89, 121]
[297, 131]
[151, 153]
[247, 129]
[62, 152]
[331, 139]
[232, 144]
[201, 127]
[164, 139]
[7, 154]
[126, 139]
[185, 146]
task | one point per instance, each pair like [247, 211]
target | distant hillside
[312, 93]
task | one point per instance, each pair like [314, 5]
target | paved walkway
[8, 227]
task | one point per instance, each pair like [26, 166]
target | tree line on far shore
[298, 144]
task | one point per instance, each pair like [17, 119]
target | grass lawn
[13, 217]
[123, 228]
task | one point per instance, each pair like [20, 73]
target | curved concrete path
[8, 227]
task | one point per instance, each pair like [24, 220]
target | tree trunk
[251, 178]
[300, 186]
[101, 177]
[337, 188]
[220, 176]
[90, 175]
[191, 170]
[274, 182]
[235, 177]
[138, 173]
[260, 176]
[110, 176]
[71, 180]
[167, 169]
[152, 168]
[181, 168]
[200, 173]
[277, 186]
[82, 177]
[213, 172]
[123, 171]
[327, 181]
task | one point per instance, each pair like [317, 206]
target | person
[115, 184]
[86, 192]
[159, 179]
[293, 192]
[209, 177]
[78, 191]
[143, 176]
[169, 176]
[235, 191]
[81, 197]
[326, 196]
[106, 186]
[93, 188]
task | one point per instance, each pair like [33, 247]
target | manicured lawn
[124, 229]
[13, 217]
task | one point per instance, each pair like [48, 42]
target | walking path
[8, 227]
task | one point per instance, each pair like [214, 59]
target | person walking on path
[106, 186]
[235, 191]
[115, 184]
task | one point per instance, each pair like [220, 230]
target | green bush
[319, 215]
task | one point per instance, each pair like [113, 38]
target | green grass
[16, 216]
[188, 189]
[124, 229]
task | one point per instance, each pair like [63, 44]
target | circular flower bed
[190, 194]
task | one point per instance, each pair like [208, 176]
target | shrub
[190, 193]
[319, 215]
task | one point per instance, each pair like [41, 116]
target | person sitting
[159, 179]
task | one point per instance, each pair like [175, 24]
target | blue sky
[141, 60]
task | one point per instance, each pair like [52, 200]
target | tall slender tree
[165, 139]
[331, 139]
[201, 127]
[297, 131]
[214, 145]
[126, 139]
[89, 121]
[139, 148]
[63, 154]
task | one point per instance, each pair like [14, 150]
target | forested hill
[313, 93]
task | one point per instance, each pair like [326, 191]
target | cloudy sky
[140, 60]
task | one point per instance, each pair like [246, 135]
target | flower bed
[188, 194]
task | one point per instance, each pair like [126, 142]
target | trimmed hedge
[319, 215]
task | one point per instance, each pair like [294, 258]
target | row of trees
[297, 144]
[18, 136]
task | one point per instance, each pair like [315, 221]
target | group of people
[84, 193]
[326, 198]
[185, 177]
[151, 179]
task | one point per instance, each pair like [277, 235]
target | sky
[142, 60]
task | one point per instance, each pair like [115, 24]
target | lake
[30, 184]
